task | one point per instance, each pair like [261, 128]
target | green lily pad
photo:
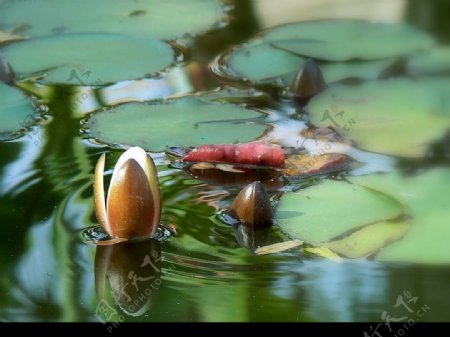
[261, 63]
[15, 112]
[331, 209]
[182, 122]
[144, 18]
[342, 40]
[431, 62]
[277, 55]
[397, 117]
[369, 239]
[88, 59]
[426, 199]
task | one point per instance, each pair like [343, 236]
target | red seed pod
[257, 153]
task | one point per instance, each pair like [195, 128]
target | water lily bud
[6, 73]
[252, 206]
[133, 205]
[308, 82]
[130, 272]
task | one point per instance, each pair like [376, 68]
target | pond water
[208, 271]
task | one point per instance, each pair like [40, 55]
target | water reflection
[251, 238]
[128, 275]
[46, 198]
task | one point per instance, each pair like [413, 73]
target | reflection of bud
[252, 206]
[251, 238]
[308, 82]
[132, 272]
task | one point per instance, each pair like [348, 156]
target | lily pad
[397, 117]
[262, 63]
[278, 54]
[15, 112]
[426, 199]
[145, 18]
[431, 62]
[342, 40]
[331, 209]
[182, 122]
[88, 59]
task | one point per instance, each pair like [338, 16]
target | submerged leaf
[324, 252]
[7, 37]
[370, 239]
[278, 247]
[180, 122]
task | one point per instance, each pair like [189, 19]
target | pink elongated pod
[257, 153]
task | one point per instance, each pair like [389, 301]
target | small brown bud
[252, 206]
[6, 72]
[308, 82]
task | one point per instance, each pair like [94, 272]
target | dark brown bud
[252, 206]
[6, 73]
[308, 82]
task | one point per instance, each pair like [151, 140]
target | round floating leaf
[15, 111]
[262, 63]
[89, 59]
[323, 212]
[426, 199]
[145, 18]
[279, 52]
[397, 117]
[341, 40]
[182, 122]
[432, 62]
